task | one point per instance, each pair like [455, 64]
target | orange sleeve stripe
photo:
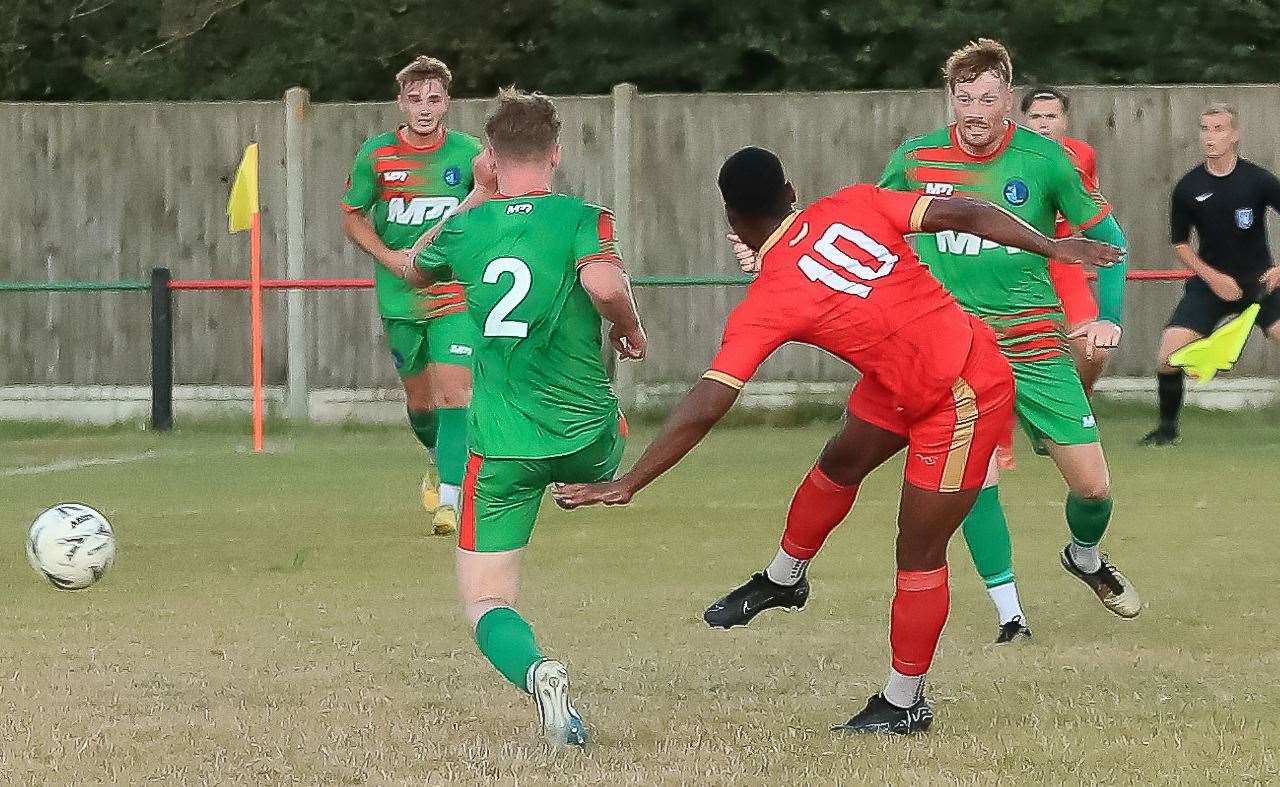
[917, 213]
[604, 256]
[723, 379]
[1093, 222]
[352, 208]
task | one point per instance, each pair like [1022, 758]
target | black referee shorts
[1201, 310]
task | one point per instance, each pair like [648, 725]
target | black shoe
[1160, 436]
[1112, 588]
[1014, 629]
[883, 717]
[755, 596]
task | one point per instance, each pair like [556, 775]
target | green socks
[1087, 519]
[424, 427]
[506, 640]
[987, 534]
[451, 445]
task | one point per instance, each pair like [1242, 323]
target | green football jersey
[1028, 175]
[406, 190]
[539, 387]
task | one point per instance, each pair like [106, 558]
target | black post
[161, 351]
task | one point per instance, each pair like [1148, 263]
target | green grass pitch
[283, 619]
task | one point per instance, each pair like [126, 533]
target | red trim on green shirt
[955, 177]
[430, 147]
[1096, 220]
[1010, 128]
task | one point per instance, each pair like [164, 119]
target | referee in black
[1225, 199]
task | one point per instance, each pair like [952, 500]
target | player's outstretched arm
[704, 405]
[610, 290]
[964, 214]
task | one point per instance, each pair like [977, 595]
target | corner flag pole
[243, 213]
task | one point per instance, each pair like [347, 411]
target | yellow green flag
[1219, 351]
[244, 192]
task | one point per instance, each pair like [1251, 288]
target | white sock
[1087, 559]
[903, 690]
[785, 569]
[1005, 597]
[449, 495]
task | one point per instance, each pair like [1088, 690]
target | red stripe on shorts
[467, 528]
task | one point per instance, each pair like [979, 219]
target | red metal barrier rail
[641, 281]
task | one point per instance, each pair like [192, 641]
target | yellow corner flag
[1219, 351]
[244, 192]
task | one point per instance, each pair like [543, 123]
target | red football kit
[841, 276]
[1068, 280]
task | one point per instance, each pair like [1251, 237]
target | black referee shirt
[1229, 215]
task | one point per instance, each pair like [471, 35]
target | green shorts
[501, 497]
[1051, 404]
[416, 343]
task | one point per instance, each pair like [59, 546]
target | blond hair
[1222, 108]
[422, 69]
[975, 59]
[523, 126]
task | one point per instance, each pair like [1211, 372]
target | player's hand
[632, 344]
[1098, 335]
[747, 259]
[399, 261]
[1225, 287]
[428, 238]
[1271, 279]
[1085, 251]
[571, 496]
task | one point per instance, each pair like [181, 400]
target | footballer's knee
[417, 393]
[1092, 489]
[838, 469]
[450, 386]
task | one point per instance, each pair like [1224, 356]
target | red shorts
[1073, 290]
[949, 446]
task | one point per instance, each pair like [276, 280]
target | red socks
[920, 610]
[818, 506]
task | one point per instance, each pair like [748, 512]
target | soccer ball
[71, 545]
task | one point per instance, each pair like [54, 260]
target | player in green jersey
[540, 271]
[403, 183]
[984, 154]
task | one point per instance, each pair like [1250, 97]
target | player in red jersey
[841, 276]
[1046, 111]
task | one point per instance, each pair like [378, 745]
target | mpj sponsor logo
[395, 177]
[453, 176]
[1016, 192]
[1244, 218]
[418, 210]
[459, 349]
[967, 245]
[520, 207]
[939, 189]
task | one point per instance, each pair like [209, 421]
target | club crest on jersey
[1244, 218]
[1016, 192]
[453, 176]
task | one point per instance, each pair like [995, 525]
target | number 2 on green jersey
[497, 324]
